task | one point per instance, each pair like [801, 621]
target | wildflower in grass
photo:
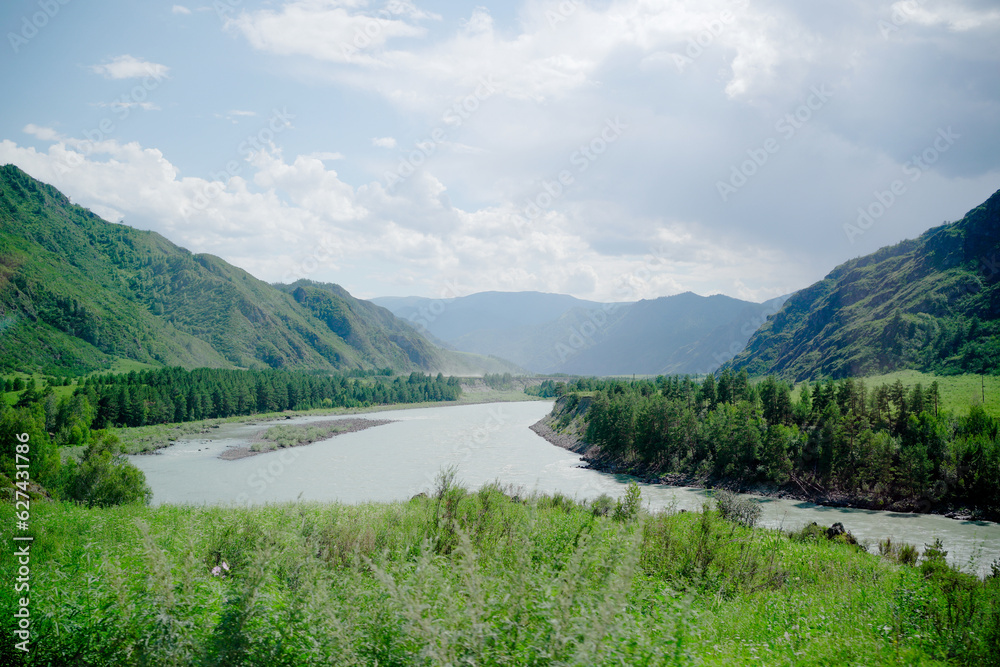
[216, 571]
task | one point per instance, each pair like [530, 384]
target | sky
[614, 150]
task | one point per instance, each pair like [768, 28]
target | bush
[602, 505]
[904, 554]
[628, 506]
[737, 509]
[105, 477]
[812, 532]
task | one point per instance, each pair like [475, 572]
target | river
[486, 442]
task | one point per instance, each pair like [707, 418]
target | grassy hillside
[79, 293]
[487, 578]
[958, 392]
[930, 304]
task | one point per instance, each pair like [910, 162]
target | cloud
[495, 111]
[130, 67]
[274, 214]
[180, 9]
[329, 31]
[234, 115]
[955, 17]
[145, 106]
[326, 155]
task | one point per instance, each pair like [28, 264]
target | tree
[104, 477]
[775, 401]
[775, 462]
[706, 393]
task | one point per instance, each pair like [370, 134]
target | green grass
[40, 380]
[489, 577]
[958, 392]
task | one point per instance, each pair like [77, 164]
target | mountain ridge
[553, 333]
[930, 303]
[78, 292]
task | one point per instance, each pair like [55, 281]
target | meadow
[486, 577]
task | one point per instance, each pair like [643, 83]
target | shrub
[741, 510]
[904, 554]
[105, 477]
[602, 505]
[908, 555]
[628, 506]
[812, 532]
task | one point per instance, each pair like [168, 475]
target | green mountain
[78, 293]
[932, 303]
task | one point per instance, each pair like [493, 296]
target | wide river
[486, 442]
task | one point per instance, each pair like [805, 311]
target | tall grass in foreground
[487, 577]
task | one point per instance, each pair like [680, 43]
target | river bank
[269, 440]
[569, 435]
[150, 439]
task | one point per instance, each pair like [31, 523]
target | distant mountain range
[554, 333]
[78, 293]
[932, 303]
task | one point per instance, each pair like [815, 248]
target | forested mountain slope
[78, 293]
[932, 303]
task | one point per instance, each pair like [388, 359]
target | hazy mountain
[552, 333]
[78, 292]
[451, 319]
[684, 333]
[932, 303]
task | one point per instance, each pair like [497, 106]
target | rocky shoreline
[595, 460]
[349, 426]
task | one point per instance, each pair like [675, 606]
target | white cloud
[491, 110]
[274, 215]
[326, 30]
[326, 155]
[180, 9]
[43, 133]
[234, 115]
[954, 16]
[145, 106]
[130, 67]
